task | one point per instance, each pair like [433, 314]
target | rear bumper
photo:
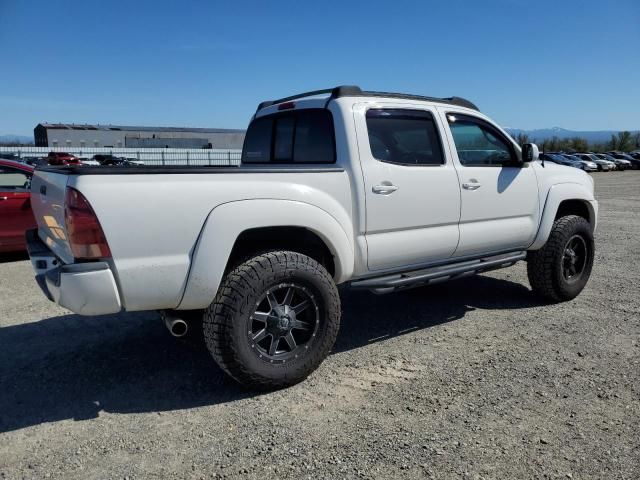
[83, 288]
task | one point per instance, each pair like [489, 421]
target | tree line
[622, 141]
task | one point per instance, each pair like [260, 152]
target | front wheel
[561, 268]
[274, 320]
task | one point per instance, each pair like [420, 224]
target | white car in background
[603, 165]
[621, 163]
[586, 165]
[89, 162]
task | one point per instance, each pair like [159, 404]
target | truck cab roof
[355, 91]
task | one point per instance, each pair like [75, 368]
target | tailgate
[47, 200]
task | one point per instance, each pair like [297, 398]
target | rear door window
[12, 179]
[405, 137]
[303, 136]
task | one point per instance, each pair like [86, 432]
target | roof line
[355, 91]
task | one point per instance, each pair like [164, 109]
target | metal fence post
[162, 155]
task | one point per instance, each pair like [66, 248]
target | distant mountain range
[16, 139]
[545, 133]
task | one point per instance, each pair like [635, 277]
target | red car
[62, 158]
[16, 216]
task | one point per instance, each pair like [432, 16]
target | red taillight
[84, 232]
[287, 106]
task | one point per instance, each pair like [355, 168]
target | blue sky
[528, 64]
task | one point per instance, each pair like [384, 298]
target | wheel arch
[236, 229]
[565, 199]
[293, 238]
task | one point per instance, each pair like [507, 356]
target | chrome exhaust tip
[176, 326]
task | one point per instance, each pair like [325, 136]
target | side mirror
[530, 152]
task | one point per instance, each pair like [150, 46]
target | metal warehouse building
[122, 136]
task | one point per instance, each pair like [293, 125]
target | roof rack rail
[355, 91]
[340, 91]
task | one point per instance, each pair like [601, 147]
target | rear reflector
[84, 232]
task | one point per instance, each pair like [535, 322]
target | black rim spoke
[300, 325]
[261, 335]
[273, 302]
[301, 307]
[288, 297]
[261, 316]
[273, 346]
[291, 341]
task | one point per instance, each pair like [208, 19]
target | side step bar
[425, 276]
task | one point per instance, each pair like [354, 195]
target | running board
[425, 276]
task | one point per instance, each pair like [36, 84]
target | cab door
[500, 207]
[412, 193]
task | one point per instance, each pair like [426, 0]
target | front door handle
[471, 185]
[4, 198]
[384, 189]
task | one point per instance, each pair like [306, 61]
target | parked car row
[64, 158]
[592, 162]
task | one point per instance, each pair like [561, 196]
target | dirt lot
[471, 379]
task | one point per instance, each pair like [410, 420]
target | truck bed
[153, 217]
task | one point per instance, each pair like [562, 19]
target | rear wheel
[561, 268]
[274, 320]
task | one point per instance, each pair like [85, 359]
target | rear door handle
[384, 189]
[471, 185]
[4, 198]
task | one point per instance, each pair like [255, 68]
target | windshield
[557, 158]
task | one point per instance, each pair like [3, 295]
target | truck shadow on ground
[13, 257]
[73, 367]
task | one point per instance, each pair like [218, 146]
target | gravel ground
[471, 379]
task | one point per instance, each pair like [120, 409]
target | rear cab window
[404, 136]
[303, 136]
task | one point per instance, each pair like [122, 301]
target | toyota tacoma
[374, 190]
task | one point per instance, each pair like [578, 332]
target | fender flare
[556, 195]
[227, 221]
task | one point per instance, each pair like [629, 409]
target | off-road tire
[225, 321]
[545, 266]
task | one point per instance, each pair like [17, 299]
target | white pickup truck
[380, 191]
